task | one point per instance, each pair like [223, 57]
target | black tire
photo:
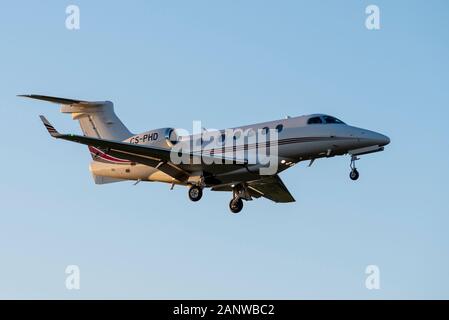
[354, 175]
[236, 205]
[195, 193]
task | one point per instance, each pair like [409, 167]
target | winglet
[53, 132]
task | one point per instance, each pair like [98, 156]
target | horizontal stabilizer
[96, 118]
[63, 101]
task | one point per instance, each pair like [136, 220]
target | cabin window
[222, 138]
[279, 128]
[265, 130]
[207, 140]
[315, 120]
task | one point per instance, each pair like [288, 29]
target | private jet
[222, 160]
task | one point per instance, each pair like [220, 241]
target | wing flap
[270, 187]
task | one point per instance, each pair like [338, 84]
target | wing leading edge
[155, 157]
[270, 187]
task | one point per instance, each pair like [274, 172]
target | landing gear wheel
[195, 193]
[236, 205]
[354, 175]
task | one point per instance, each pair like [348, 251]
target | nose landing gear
[354, 174]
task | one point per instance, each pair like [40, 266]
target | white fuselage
[297, 140]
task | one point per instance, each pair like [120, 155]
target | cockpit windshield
[332, 120]
[324, 120]
[315, 120]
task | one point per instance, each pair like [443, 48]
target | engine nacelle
[163, 138]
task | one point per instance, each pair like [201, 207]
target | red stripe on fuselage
[104, 156]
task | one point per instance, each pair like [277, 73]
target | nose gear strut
[354, 174]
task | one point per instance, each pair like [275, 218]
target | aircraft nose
[385, 141]
[379, 139]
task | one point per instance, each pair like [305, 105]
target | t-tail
[96, 118]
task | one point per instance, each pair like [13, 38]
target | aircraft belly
[312, 149]
[129, 172]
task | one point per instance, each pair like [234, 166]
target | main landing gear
[239, 193]
[354, 175]
[195, 193]
[236, 205]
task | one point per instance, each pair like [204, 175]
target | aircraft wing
[270, 187]
[151, 156]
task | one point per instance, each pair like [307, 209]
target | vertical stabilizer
[97, 119]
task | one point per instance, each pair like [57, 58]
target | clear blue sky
[227, 63]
